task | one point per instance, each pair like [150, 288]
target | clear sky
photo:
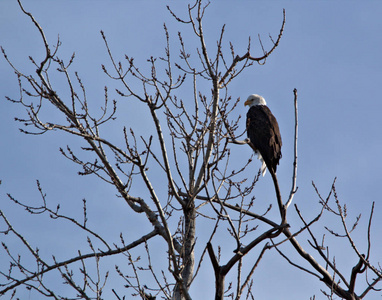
[330, 52]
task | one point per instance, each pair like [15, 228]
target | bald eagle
[263, 133]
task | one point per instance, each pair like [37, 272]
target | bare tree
[191, 148]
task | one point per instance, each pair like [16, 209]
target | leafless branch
[294, 176]
[49, 268]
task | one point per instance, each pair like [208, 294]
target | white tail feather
[263, 166]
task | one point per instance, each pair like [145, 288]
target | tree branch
[79, 258]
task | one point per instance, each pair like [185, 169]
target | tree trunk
[189, 243]
[219, 286]
[188, 257]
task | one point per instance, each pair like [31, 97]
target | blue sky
[330, 52]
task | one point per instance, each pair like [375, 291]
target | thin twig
[294, 176]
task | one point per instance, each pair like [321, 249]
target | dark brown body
[264, 133]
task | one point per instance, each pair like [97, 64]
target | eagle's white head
[254, 99]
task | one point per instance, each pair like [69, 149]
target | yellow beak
[248, 102]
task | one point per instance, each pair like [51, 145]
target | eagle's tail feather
[264, 165]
